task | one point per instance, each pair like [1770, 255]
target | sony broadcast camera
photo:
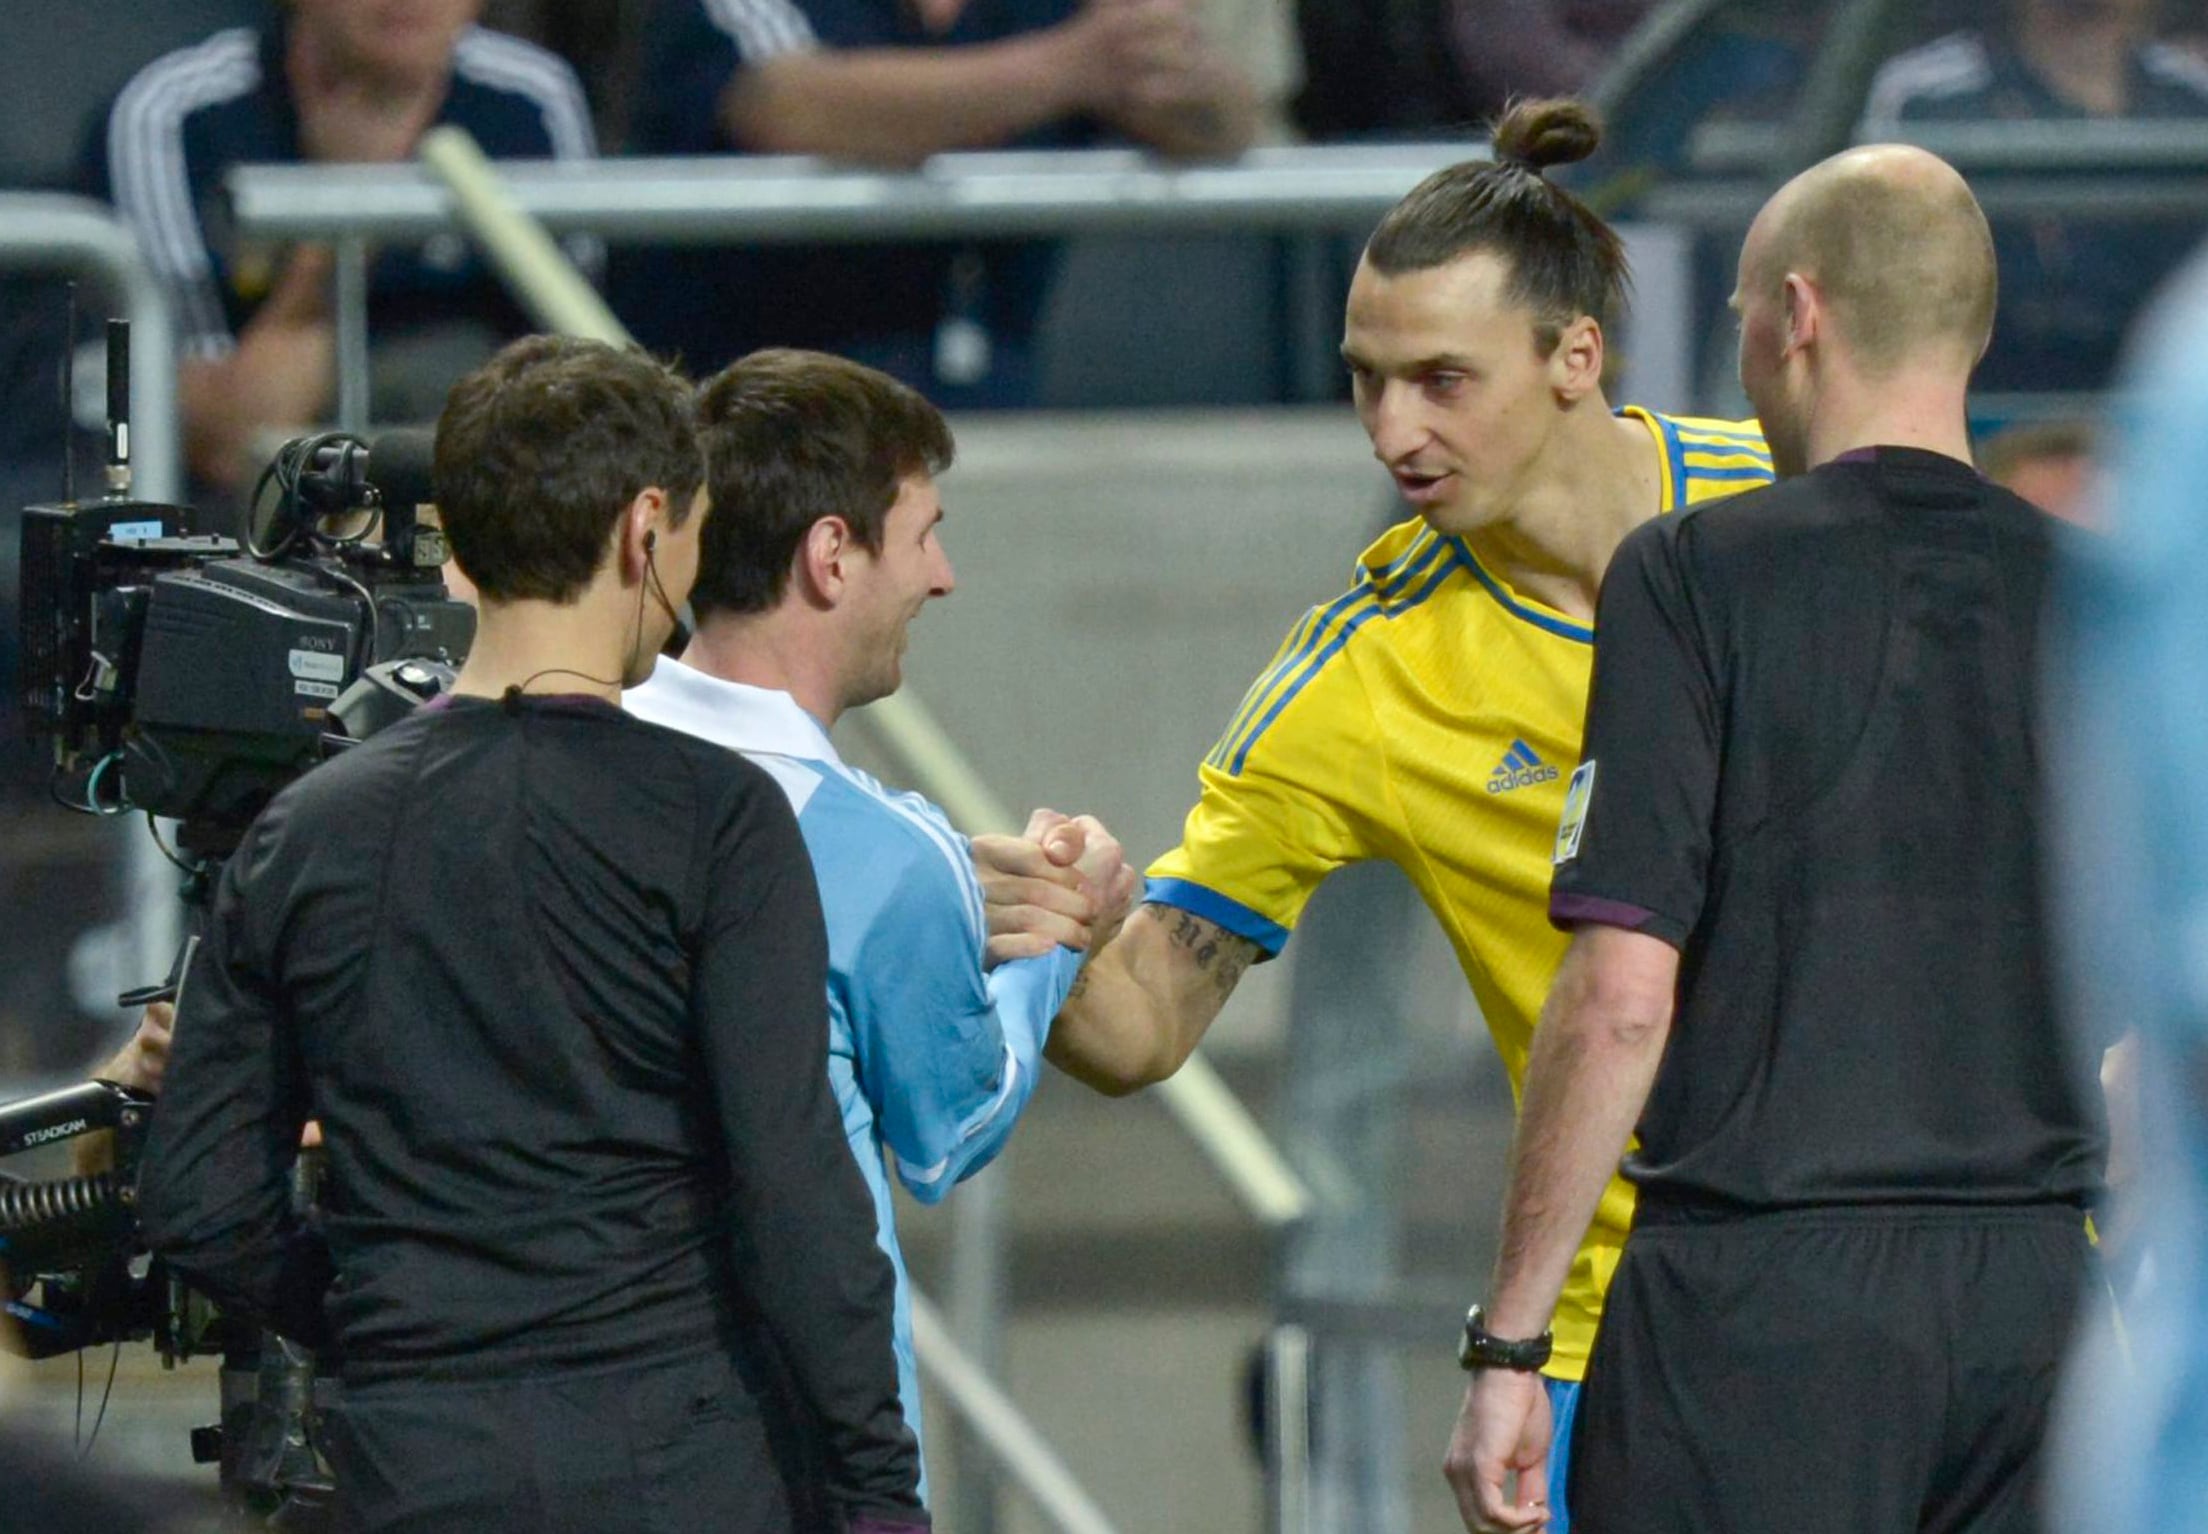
[190, 676]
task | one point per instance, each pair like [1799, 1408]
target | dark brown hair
[792, 437]
[1564, 261]
[541, 449]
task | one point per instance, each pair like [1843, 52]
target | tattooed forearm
[1143, 1001]
[1217, 952]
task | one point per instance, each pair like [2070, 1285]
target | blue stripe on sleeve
[1230, 915]
[1342, 637]
[1677, 452]
[1235, 749]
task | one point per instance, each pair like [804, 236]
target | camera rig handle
[79, 1223]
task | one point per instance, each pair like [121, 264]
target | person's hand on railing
[1111, 47]
[1170, 86]
[1064, 881]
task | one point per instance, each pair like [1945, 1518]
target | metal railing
[732, 200]
[77, 237]
[80, 237]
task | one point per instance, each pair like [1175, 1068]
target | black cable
[107, 1394]
[272, 470]
[522, 686]
[53, 792]
[154, 827]
[367, 655]
[286, 469]
[513, 693]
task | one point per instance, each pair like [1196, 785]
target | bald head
[1897, 245]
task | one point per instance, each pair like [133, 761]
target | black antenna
[118, 408]
[69, 402]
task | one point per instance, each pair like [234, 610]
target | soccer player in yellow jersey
[1430, 715]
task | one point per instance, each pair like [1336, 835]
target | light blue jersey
[932, 1058]
[2136, 817]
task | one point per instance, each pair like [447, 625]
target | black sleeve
[214, 1190]
[1634, 846]
[802, 1222]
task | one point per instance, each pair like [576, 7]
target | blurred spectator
[320, 80]
[2068, 288]
[2049, 463]
[1506, 48]
[889, 82]
[1260, 35]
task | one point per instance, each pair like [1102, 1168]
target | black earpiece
[651, 541]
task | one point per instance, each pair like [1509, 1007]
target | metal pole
[977, 1320]
[352, 332]
[557, 296]
[1035, 1469]
[1855, 43]
[76, 234]
[1288, 1429]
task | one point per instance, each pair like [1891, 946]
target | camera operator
[553, 981]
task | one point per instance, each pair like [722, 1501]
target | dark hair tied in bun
[1564, 261]
[1539, 134]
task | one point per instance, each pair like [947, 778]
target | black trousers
[675, 1447]
[1874, 1371]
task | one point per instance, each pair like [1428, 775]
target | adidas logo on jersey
[1519, 768]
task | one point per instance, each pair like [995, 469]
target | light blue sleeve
[947, 1056]
[2139, 599]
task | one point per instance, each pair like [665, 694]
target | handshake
[1064, 881]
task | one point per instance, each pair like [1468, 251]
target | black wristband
[1479, 1348]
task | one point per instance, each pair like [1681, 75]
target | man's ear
[1805, 312]
[823, 563]
[639, 531]
[1575, 367]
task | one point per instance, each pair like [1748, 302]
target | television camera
[190, 676]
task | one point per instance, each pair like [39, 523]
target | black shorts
[679, 1446]
[1873, 1371]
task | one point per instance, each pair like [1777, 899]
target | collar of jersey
[733, 714]
[1670, 455]
[1526, 609]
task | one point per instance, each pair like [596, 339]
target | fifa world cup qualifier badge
[1577, 793]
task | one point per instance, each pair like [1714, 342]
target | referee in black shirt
[552, 981]
[1802, 861]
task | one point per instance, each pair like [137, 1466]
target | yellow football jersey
[1430, 716]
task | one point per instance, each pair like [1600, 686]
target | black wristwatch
[1478, 1348]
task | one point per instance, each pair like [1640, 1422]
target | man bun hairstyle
[1564, 261]
[1539, 134]
[541, 449]
[792, 437]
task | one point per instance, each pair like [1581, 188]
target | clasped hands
[1064, 881]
